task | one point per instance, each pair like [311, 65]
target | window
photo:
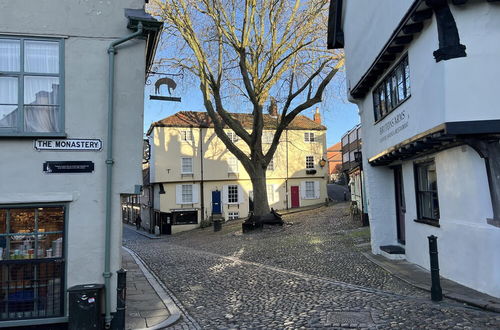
[267, 137]
[186, 165]
[345, 158]
[232, 136]
[233, 215]
[232, 163]
[187, 193]
[345, 140]
[310, 193]
[309, 162]
[185, 218]
[270, 166]
[427, 193]
[270, 193]
[232, 194]
[32, 266]
[186, 136]
[393, 90]
[30, 86]
[309, 137]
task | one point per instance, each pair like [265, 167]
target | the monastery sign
[68, 144]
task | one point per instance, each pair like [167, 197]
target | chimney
[317, 116]
[273, 108]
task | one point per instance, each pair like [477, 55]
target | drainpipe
[109, 172]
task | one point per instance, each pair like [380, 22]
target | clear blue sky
[338, 114]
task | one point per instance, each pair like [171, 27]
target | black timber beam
[413, 28]
[421, 15]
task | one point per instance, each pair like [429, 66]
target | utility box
[85, 307]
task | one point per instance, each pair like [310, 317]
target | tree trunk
[260, 202]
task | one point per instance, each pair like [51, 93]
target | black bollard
[345, 196]
[121, 297]
[436, 291]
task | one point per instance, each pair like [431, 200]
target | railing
[31, 288]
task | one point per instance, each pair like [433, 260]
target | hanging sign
[68, 144]
[68, 167]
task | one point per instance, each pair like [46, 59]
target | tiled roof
[201, 119]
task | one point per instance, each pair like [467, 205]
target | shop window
[309, 162]
[32, 267]
[186, 165]
[393, 90]
[426, 191]
[30, 86]
[185, 218]
[309, 137]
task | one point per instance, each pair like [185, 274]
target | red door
[295, 196]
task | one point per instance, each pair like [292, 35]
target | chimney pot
[317, 116]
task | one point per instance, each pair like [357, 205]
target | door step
[393, 252]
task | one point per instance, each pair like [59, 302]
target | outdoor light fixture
[322, 162]
[358, 156]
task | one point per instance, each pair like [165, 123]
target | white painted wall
[457, 90]
[90, 27]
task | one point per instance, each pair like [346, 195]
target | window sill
[433, 223]
[7, 135]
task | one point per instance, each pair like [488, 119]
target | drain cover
[351, 318]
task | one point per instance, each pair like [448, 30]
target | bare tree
[245, 51]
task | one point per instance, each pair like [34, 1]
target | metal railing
[31, 288]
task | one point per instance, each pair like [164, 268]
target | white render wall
[461, 89]
[89, 27]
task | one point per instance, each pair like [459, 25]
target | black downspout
[202, 191]
[286, 179]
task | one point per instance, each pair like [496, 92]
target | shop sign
[68, 167]
[68, 144]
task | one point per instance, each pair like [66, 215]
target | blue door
[216, 204]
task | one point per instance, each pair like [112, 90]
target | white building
[55, 149]
[425, 77]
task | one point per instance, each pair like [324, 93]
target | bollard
[436, 291]
[345, 196]
[121, 297]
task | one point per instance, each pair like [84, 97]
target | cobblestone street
[309, 273]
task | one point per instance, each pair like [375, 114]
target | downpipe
[109, 172]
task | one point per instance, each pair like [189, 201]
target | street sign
[68, 144]
[68, 167]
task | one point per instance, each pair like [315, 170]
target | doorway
[400, 203]
[295, 196]
[165, 223]
[216, 202]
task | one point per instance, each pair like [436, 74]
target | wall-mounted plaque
[68, 144]
[68, 167]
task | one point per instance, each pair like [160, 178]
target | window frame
[385, 96]
[271, 166]
[233, 166]
[310, 163]
[313, 190]
[418, 193]
[62, 259]
[184, 135]
[309, 137]
[233, 215]
[182, 165]
[191, 201]
[267, 137]
[19, 130]
[235, 192]
[232, 136]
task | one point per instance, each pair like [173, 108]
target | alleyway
[309, 273]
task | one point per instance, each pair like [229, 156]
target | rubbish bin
[217, 225]
[85, 307]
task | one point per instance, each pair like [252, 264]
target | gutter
[109, 171]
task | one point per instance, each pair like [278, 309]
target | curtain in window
[40, 94]
[10, 51]
[8, 101]
[41, 56]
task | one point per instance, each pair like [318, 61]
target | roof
[336, 147]
[201, 119]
